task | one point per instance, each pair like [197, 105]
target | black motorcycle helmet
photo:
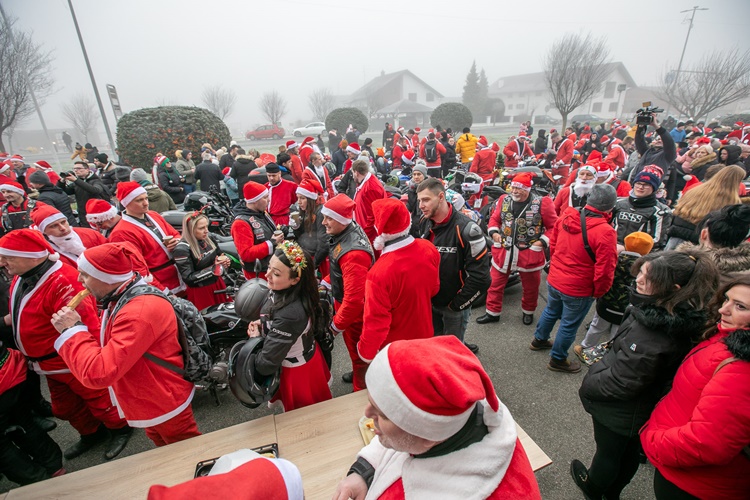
[196, 200]
[250, 388]
[250, 298]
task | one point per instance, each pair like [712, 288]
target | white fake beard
[581, 188]
[515, 197]
[71, 243]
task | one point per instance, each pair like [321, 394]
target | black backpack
[192, 334]
[321, 330]
[430, 151]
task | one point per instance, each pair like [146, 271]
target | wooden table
[131, 477]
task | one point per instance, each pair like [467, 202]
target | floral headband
[295, 255]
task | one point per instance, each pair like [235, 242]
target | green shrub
[452, 115]
[143, 133]
[340, 118]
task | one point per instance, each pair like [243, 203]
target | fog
[166, 51]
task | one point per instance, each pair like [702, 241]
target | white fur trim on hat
[4, 168]
[132, 196]
[258, 196]
[588, 168]
[379, 242]
[335, 216]
[26, 255]
[110, 279]
[394, 404]
[100, 217]
[49, 220]
[520, 186]
[12, 189]
[306, 193]
[350, 149]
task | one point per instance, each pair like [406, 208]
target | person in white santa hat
[41, 286]
[397, 306]
[150, 233]
[121, 355]
[516, 150]
[440, 430]
[605, 175]
[69, 242]
[575, 195]
[483, 163]
[102, 216]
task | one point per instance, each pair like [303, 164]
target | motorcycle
[218, 209]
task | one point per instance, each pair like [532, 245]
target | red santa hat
[392, 220]
[109, 263]
[43, 165]
[99, 211]
[604, 140]
[16, 158]
[482, 141]
[252, 191]
[594, 157]
[5, 166]
[523, 181]
[226, 171]
[433, 394]
[43, 215]
[128, 191]
[522, 135]
[160, 160]
[264, 159]
[291, 144]
[310, 188]
[739, 124]
[408, 157]
[417, 130]
[307, 139]
[701, 141]
[587, 168]
[26, 243]
[339, 208]
[353, 148]
[691, 182]
[495, 147]
[604, 170]
[746, 126]
[13, 187]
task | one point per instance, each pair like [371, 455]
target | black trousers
[615, 461]
[27, 453]
[666, 490]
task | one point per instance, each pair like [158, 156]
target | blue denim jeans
[446, 321]
[188, 188]
[571, 311]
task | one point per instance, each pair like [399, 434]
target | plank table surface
[132, 476]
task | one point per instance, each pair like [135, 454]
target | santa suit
[415, 142]
[516, 251]
[397, 293]
[325, 181]
[148, 395]
[505, 471]
[150, 244]
[280, 197]
[252, 233]
[85, 407]
[304, 154]
[297, 168]
[398, 151]
[368, 191]
[617, 155]
[89, 238]
[564, 150]
[483, 163]
[514, 151]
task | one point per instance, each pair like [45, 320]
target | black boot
[487, 318]
[581, 477]
[43, 408]
[348, 377]
[528, 319]
[86, 442]
[46, 424]
[119, 438]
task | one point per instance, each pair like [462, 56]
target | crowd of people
[650, 225]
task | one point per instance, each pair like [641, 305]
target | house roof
[381, 81]
[404, 106]
[531, 82]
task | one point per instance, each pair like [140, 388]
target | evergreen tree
[484, 88]
[471, 95]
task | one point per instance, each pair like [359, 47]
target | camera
[643, 115]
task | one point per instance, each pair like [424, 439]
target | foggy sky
[166, 51]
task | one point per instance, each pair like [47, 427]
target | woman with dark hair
[287, 321]
[723, 234]
[309, 230]
[666, 316]
[200, 262]
[698, 436]
[540, 145]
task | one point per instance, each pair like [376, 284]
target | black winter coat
[209, 174]
[622, 389]
[55, 197]
[683, 229]
[241, 169]
[90, 188]
[662, 157]
[170, 183]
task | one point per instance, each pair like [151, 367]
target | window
[613, 107]
[597, 108]
[510, 106]
[430, 97]
[609, 90]
[520, 106]
[413, 96]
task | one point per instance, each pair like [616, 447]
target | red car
[265, 132]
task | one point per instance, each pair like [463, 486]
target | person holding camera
[661, 152]
[85, 185]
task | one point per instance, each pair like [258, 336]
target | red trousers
[359, 367]
[84, 408]
[563, 171]
[177, 428]
[529, 281]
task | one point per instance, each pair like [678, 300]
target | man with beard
[281, 194]
[316, 171]
[517, 228]
[369, 189]
[69, 242]
[575, 194]
[253, 231]
[85, 185]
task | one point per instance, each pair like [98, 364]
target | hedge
[340, 118]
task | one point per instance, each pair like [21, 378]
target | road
[543, 402]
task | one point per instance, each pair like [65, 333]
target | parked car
[545, 119]
[312, 129]
[265, 132]
[592, 119]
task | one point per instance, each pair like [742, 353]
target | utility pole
[687, 37]
[93, 81]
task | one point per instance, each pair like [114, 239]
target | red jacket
[483, 163]
[440, 151]
[617, 156]
[304, 154]
[393, 297]
[308, 173]
[13, 372]
[697, 431]
[564, 151]
[572, 271]
[354, 268]
[367, 192]
[396, 156]
[297, 168]
[145, 393]
[280, 197]
[513, 154]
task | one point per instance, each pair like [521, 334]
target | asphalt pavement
[543, 402]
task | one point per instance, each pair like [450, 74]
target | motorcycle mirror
[557, 177]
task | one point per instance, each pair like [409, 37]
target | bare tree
[273, 106]
[574, 69]
[321, 103]
[20, 59]
[82, 114]
[219, 101]
[719, 79]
